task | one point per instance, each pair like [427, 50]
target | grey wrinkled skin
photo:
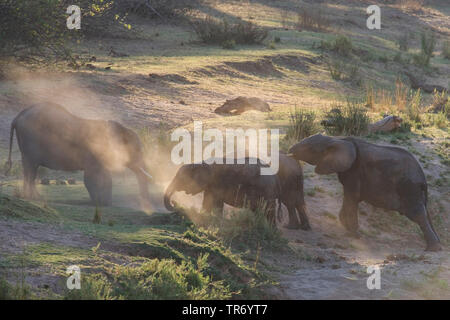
[290, 174]
[50, 136]
[386, 177]
[238, 185]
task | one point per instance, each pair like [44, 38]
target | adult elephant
[290, 174]
[386, 177]
[238, 185]
[50, 136]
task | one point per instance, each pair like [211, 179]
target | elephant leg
[143, 190]
[349, 214]
[212, 204]
[98, 182]
[419, 216]
[29, 184]
[301, 209]
[293, 219]
[271, 211]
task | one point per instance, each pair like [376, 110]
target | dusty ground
[168, 83]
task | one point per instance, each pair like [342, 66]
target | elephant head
[190, 178]
[329, 155]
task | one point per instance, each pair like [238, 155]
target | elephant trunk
[167, 196]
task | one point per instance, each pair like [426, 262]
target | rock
[387, 124]
[72, 181]
[90, 66]
[242, 104]
[45, 181]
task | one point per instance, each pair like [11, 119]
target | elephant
[385, 177]
[290, 174]
[238, 185]
[49, 136]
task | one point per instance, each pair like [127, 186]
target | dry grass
[385, 99]
[312, 19]
[414, 5]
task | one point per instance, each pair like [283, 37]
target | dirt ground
[324, 263]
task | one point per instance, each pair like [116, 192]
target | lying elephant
[51, 137]
[386, 177]
[237, 185]
[290, 174]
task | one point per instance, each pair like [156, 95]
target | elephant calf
[386, 177]
[237, 185]
[290, 174]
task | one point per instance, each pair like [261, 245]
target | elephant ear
[202, 174]
[338, 157]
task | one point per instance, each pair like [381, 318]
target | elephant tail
[279, 209]
[8, 164]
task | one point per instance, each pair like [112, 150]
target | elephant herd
[385, 177]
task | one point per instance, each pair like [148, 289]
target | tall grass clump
[428, 43]
[251, 228]
[414, 110]
[302, 124]
[214, 31]
[349, 120]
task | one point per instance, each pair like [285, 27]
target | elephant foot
[305, 226]
[354, 234]
[434, 247]
[293, 226]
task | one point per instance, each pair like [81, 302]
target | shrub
[344, 71]
[157, 280]
[414, 110]
[351, 119]
[446, 50]
[312, 19]
[213, 31]
[302, 124]
[428, 43]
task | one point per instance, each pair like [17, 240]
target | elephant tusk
[290, 155]
[146, 174]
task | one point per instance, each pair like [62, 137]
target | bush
[428, 43]
[344, 71]
[349, 120]
[312, 19]
[213, 31]
[154, 280]
[33, 30]
[302, 124]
